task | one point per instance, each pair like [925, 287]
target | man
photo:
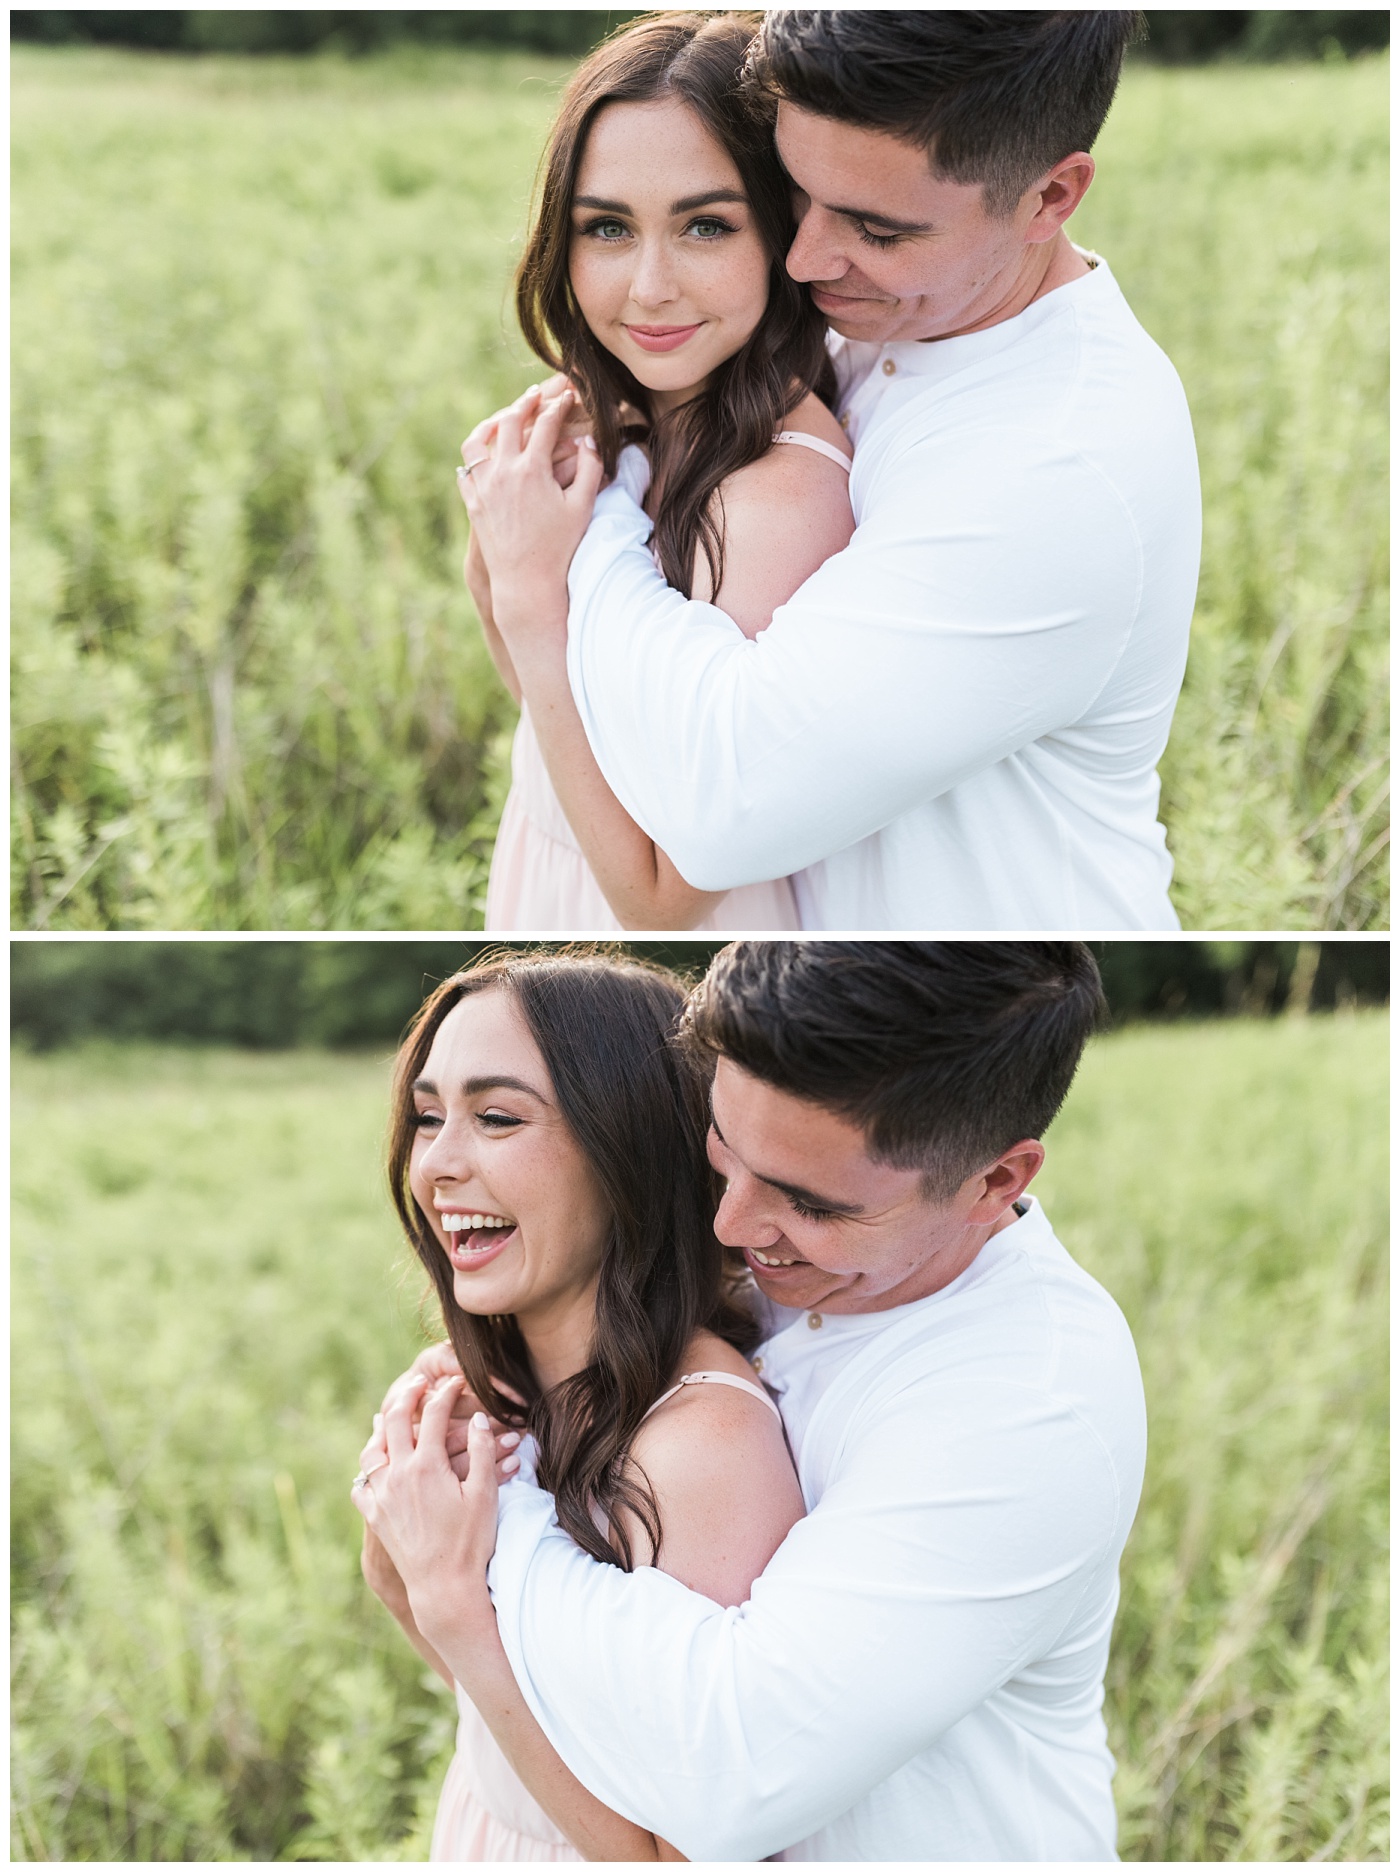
[919, 1671]
[956, 722]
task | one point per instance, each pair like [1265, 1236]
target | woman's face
[666, 261]
[503, 1183]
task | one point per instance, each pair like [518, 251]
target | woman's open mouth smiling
[473, 1238]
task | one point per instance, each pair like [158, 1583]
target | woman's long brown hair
[698, 59]
[639, 1111]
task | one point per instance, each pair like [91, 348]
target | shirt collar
[944, 357]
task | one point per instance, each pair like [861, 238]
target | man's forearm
[879, 1624]
[907, 664]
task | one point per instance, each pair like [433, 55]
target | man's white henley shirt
[955, 723]
[918, 1674]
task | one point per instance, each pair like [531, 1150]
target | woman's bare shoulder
[812, 417]
[682, 1419]
[783, 516]
[718, 1466]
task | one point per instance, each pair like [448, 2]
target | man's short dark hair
[995, 98]
[945, 1053]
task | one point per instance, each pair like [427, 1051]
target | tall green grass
[208, 1298]
[1244, 211]
[257, 305]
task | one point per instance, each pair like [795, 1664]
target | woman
[548, 1164]
[654, 279]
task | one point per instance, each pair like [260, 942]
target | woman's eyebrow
[485, 1082]
[688, 202]
[684, 206]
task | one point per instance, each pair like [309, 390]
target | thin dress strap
[829, 449]
[717, 1377]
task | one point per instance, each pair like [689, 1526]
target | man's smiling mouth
[774, 1261]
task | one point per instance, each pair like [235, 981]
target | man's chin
[799, 1285]
[868, 320]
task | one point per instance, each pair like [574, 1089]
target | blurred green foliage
[209, 1296]
[339, 30]
[338, 994]
[1190, 37]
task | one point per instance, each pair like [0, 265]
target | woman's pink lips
[661, 337]
[467, 1262]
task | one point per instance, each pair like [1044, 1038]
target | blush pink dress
[484, 1813]
[540, 879]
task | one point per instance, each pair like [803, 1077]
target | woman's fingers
[434, 1361]
[437, 1414]
[480, 1489]
[480, 441]
[507, 1454]
[583, 491]
[398, 1419]
[510, 434]
[544, 438]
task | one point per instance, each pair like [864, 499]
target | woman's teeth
[773, 1260]
[455, 1224]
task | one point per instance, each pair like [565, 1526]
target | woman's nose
[447, 1158]
[654, 280]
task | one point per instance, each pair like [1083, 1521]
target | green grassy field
[256, 306]
[208, 1298]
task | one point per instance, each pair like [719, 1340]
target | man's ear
[1053, 197]
[1006, 1180]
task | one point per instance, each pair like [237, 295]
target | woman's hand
[576, 425]
[434, 1364]
[529, 527]
[438, 1533]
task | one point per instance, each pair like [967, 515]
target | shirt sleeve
[981, 604]
[935, 1566]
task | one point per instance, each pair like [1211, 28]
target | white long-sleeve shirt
[956, 722]
[918, 1673]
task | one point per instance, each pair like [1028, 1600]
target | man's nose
[814, 253]
[743, 1219]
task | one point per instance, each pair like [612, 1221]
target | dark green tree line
[339, 994]
[1180, 37]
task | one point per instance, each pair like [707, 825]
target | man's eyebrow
[873, 217]
[795, 1192]
[486, 1082]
